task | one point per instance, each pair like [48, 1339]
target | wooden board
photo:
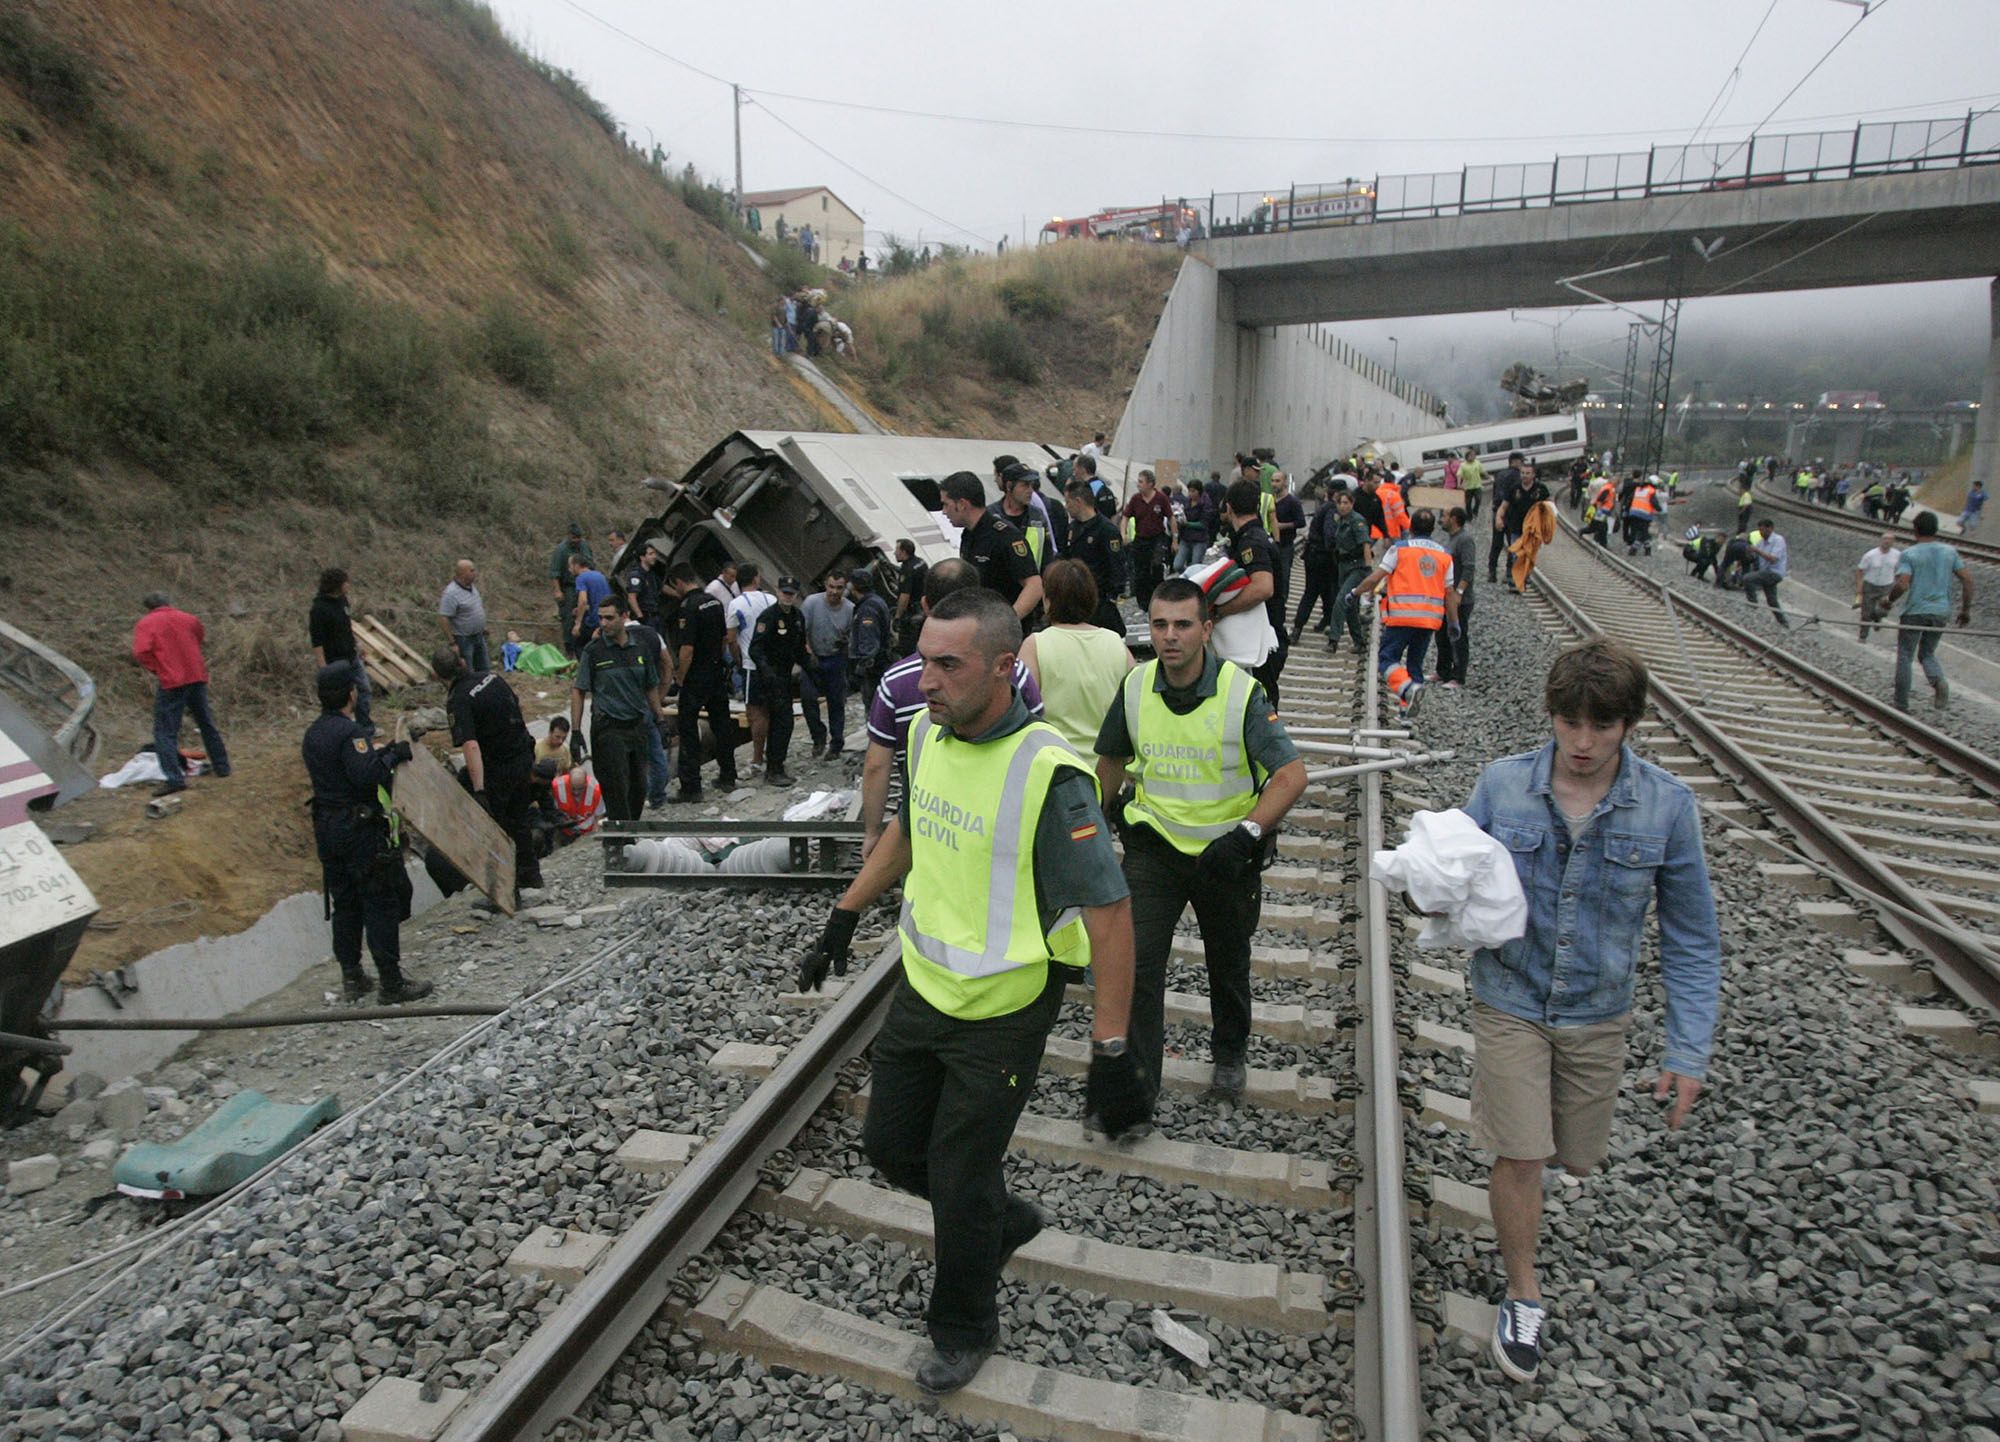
[402, 650]
[1166, 472]
[443, 813]
[384, 670]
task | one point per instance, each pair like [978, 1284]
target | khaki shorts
[1545, 1091]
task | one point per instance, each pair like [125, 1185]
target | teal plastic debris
[243, 1135]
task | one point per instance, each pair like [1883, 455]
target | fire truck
[1138, 222]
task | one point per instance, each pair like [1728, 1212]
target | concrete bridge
[1205, 388]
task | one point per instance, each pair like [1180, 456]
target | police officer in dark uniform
[1255, 552]
[992, 543]
[486, 725]
[1094, 540]
[777, 646]
[359, 840]
[702, 657]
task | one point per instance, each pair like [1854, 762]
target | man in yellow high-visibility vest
[1215, 773]
[1009, 882]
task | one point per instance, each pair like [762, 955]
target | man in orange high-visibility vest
[1645, 509]
[1419, 598]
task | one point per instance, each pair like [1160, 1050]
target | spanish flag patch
[1083, 833]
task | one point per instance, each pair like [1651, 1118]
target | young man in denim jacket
[1596, 835]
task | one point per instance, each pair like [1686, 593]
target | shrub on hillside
[516, 349]
[1029, 297]
[1004, 346]
[57, 81]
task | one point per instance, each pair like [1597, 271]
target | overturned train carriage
[801, 503]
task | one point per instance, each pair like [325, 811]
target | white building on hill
[835, 225]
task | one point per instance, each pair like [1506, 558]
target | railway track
[1900, 819]
[775, 1168]
[1985, 553]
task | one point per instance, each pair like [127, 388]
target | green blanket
[543, 660]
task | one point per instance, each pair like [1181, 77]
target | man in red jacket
[168, 643]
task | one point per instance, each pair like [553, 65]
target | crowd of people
[1012, 737]
[802, 322]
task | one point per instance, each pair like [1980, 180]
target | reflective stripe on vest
[1195, 780]
[1415, 593]
[1642, 501]
[1037, 540]
[973, 945]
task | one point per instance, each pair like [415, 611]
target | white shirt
[1091, 449]
[723, 592]
[1878, 567]
[742, 619]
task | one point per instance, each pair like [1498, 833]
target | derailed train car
[799, 503]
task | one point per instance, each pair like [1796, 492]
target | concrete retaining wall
[1210, 387]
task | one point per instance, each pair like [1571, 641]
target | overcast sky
[1385, 87]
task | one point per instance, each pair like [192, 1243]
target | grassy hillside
[1043, 343]
[285, 286]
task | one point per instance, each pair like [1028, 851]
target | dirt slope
[285, 286]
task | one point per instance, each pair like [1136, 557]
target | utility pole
[736, 113]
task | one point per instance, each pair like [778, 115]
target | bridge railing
[1871, 148]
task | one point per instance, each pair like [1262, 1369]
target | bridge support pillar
[1986, 434]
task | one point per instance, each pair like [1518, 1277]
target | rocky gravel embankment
[1813, 1255]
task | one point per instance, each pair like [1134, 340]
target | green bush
[517, 349]
[1028, 297]
[1005, 348]
[57, 81]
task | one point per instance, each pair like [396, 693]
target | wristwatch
[1256, 831]
[1110, 1046]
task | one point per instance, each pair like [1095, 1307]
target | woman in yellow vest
[1077, 663]
[1009, 881]
[1215, 773]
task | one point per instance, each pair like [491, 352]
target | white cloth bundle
[1449, 866]
[1247, 638]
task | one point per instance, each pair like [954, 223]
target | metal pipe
[14, 1041]
[276, 1018]
[1360, 768]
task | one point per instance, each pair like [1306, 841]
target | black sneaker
[684, 798]
[356, 987]
[778, 778]
[169, 788]
[949, 1368]
[408, 991]
[1517, 1338]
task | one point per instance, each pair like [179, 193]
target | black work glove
[1231, 856]
[830, 950]
[1114, 813]
[579, 749]
[399, 752]
[1115, 1095]
[484, 804]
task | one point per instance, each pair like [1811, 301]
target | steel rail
[1985, 553]
[563, 1362]
[1386, 1392]
[1975, 768]
[1966, 968]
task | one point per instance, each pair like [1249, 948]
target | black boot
[397, 988]
[354, 982]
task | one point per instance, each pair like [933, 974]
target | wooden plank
[404, 651]
[384, 669]
[443, 813]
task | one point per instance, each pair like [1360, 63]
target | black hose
[13, 1041]
[281, 1018]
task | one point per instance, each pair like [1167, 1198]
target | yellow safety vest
[1037, 540]
[1196, 782]
[973, 944]
[1267, 512]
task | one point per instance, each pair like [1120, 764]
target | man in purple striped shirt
[898, 699]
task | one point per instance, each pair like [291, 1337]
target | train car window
[1498, 448]
[1562, 435]
[1526, 442]
[925, 490]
